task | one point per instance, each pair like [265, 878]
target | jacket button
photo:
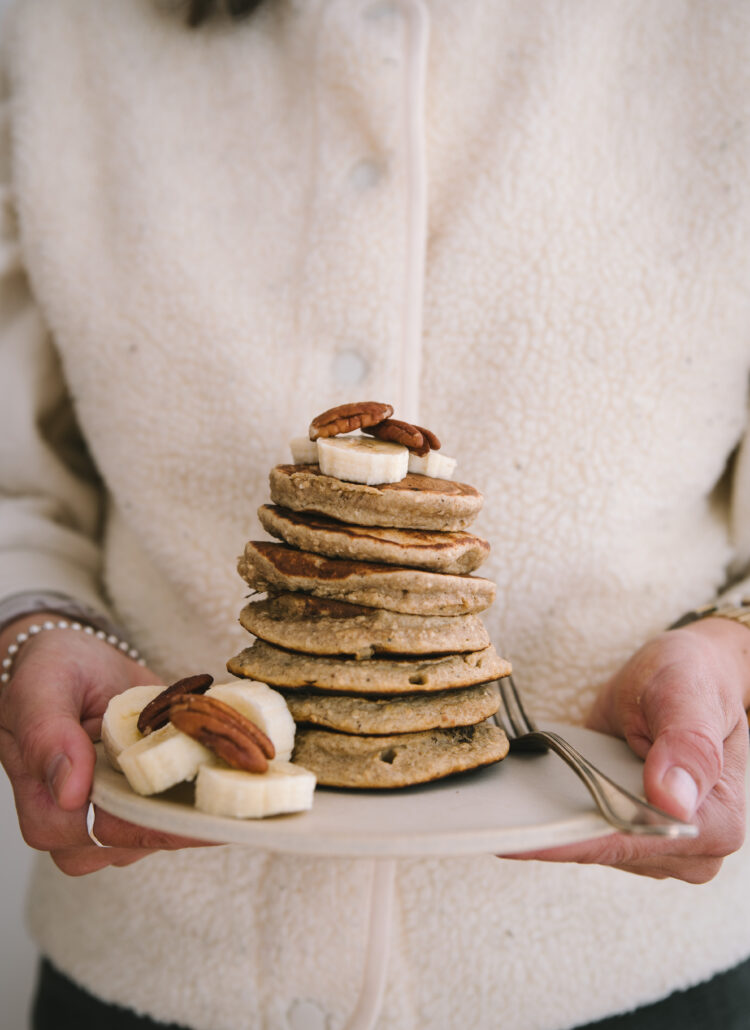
[365, 174]
[349, 368]
[306, 1015]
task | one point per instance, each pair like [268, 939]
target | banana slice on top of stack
[235, 740]
[370, 627]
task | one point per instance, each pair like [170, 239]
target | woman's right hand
[50, 714]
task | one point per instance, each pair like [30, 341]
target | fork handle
[619, 807]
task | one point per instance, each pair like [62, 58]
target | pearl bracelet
[32, 631]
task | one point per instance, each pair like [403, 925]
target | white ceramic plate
[522, 803]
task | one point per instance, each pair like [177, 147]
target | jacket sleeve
[50, 498]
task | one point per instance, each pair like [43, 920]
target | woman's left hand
[680, 703]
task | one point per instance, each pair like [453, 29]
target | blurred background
[17, 954]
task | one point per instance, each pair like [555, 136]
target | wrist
[732, 640]
[11, 630]
[18, 633]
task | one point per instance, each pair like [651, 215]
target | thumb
[686, 758]
[54, 748]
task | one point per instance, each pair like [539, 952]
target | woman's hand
[50, 712]
[680, 703]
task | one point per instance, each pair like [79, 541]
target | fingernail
[680, 784]
[58, 771]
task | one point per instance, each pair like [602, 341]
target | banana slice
[304, 451]
[243, 795]
[263, 706]
[120, 721]
[360, 459]
[162, 759]
[433, 464]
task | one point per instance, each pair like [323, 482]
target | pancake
[326, 627]
[408, 713]
[343, 760]
[373, 676]
[453, 553]
[415, 502]
[278, 567]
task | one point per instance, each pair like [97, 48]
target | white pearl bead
[7, 662]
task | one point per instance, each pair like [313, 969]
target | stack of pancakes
[370, 627]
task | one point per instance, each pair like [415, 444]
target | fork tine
[513, 711]
[500, 718]
[523, 719]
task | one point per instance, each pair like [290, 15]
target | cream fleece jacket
[527, 223]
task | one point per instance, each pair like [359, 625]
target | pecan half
[416, 438]
[396, 431]
[430, 438]
[156, 713]
[346, 417]
[223, 730]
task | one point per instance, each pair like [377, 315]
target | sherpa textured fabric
[526, 223]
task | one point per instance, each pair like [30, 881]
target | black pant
[722, 1003]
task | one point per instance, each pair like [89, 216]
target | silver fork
[625, 811]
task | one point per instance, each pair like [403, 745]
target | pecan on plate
[223, 730]
[414, 438]
[346, 417]
[156, 713]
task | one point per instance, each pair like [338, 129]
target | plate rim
[288, 833]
